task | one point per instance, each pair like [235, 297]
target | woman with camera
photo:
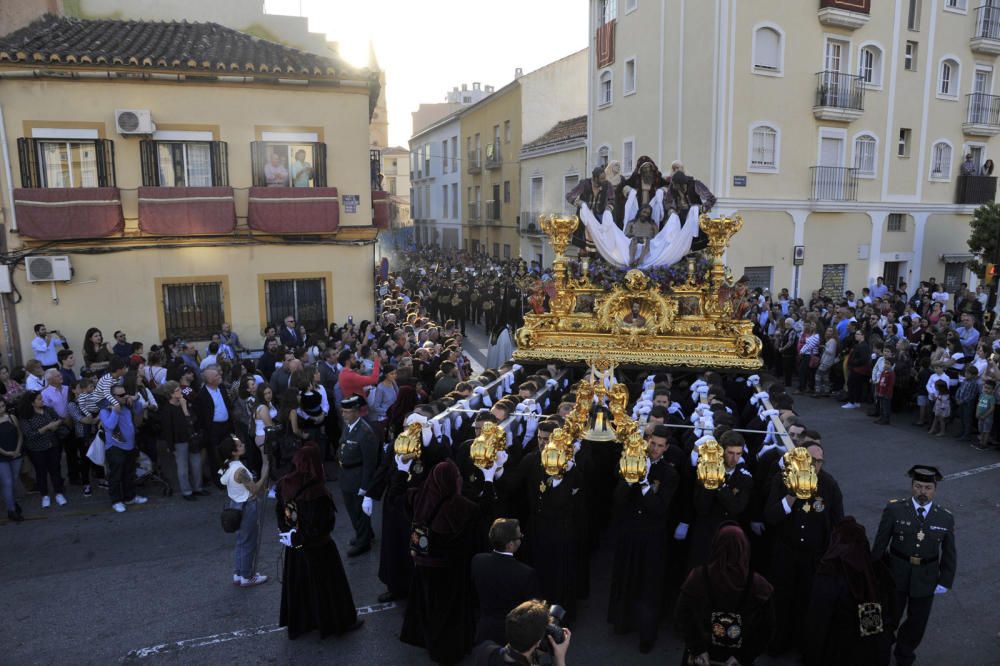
[315, 593]
[243, 491]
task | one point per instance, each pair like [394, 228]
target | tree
[985, 229]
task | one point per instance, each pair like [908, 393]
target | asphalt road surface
[84, 585]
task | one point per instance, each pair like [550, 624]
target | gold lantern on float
[711, 471]
[799, 474]
[557, 453]
[633, 461]
[491, 440]
[410, 441]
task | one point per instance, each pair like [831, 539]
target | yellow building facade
[838, 127]
[176, 266]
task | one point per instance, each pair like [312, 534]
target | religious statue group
[644, 220]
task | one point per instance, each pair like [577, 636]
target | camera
[554, 628]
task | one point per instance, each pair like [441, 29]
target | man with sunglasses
[289, 335]
[119, 414]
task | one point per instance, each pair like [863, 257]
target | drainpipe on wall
[7, 318]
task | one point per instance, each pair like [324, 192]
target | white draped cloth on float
[666, 248]
[632, 207]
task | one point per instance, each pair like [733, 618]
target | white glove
[436, 428]
[490, 472]
[556, 482]
[681, 532]
[645, 487]
[366, 506]
[361, 492]
[757, 528]
[940, 589]
[403, 466]
[285, 538]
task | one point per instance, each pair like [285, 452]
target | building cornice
[844, 206]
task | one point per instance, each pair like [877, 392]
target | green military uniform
[359, 458]
[920, 553]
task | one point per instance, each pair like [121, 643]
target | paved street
[83, 585]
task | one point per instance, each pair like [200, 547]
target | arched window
[865, 155]
[603, 156]
[764, 148]
[768, 47]
[941, 161]
[949, 78]
[870, 65]
[605, 90]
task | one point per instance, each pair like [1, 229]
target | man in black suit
[501, 581]
[281, 379]
[289, 335]
[213, 410]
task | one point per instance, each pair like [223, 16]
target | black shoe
[201, 493]
[386, 597]
[14, 517]
[357, 625]
[189, 498]
[354, 551]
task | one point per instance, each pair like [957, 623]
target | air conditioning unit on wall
[48, 269]
[134, 121]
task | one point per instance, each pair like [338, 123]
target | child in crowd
[942, 407]
[984, 412]
[923, 403]
[885, 386]
[966, 397]
[82, 409]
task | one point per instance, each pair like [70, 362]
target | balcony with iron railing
[982, 117]
[986, 38]
[850, 14]
[474, 163]
[492, 211]
[474, 212]
[494, 156]
[839, 96]
[975, 189]
[834, 183]
[528, 224]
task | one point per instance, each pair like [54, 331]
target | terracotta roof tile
[564, 130]
[206, 47]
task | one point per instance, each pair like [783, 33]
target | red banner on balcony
[186, 211]
[294, 210]
[65, 213]
[380, 210]
[606, 44]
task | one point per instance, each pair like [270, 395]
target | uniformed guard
[917, 538]
[359, 456]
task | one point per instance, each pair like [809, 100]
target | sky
[427, 47]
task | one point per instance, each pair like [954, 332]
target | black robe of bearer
[395, 566]
[315, 593]
[556, 541]
[641, 537]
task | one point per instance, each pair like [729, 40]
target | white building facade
[435, 184]
[837, 128]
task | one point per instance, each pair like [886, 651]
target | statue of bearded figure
[645, 181]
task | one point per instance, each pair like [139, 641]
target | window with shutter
[767, 50]
[764, 149]
[864, 155]
[67, 163]
[941, 161]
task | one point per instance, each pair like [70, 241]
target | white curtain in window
[864, 155]
[605, 88]
[764, 151]
[941, 162]
[947, 85]
[85, 156]
[56, 162]
[199, 165]
[767, 49]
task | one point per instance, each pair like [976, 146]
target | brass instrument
[799, 474]
[711, 471]
[491, 441]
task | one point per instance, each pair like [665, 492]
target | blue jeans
[245, 553]
[9, 471]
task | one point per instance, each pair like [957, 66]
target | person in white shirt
[211, 357]
[34, 380]
[46, 346]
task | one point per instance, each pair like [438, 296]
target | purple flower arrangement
[606, 276]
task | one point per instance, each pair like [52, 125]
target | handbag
[813, 360]
[231, 519]
[96, 450]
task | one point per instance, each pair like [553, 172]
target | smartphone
[350, 319]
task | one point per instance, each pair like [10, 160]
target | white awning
[957, 258]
